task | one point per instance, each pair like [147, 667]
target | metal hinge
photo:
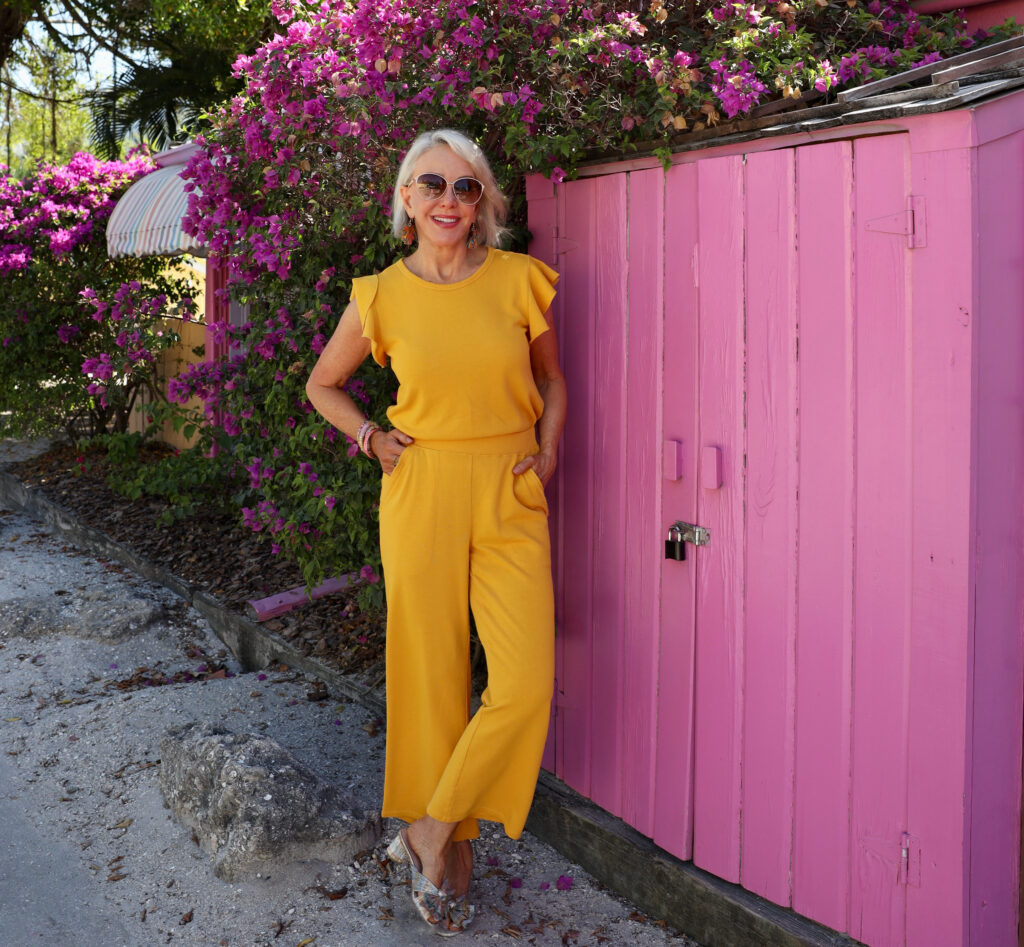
[909, 223]
[910, 860]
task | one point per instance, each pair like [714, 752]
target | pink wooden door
[622, 733]
[751, 708]
[802, 642]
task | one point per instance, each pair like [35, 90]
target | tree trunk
[13, 18]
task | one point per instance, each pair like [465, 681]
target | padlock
[675, 548]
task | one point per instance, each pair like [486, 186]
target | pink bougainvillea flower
[368, 575]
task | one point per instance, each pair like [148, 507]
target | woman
[463, 517]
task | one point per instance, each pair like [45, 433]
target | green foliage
[53, 261]
[188, 482]
[295, 181]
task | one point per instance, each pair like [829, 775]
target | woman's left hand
[543, 462]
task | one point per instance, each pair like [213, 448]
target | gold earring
[409, 233]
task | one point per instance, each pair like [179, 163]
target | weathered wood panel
[939, 659]
[997, 596]
[718, 715]
[575, 631]
[608, 411]
[640, 538]
[673, 763]
[821, 849]
[770, 534]
[883, 504]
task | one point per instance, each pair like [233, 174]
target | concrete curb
[712, 911]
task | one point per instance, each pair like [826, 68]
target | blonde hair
[491, 211]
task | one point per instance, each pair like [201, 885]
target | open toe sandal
[431, 902]
[460, 913]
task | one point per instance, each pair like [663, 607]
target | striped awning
[147, 219]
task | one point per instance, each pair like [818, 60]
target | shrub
[54, 266]
[294, 181]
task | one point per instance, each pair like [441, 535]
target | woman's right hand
[387, 447]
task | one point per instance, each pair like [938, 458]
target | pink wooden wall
[824, 704]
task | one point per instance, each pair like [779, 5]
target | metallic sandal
[460, 913]
[430, 901]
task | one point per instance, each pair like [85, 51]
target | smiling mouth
[445, 220]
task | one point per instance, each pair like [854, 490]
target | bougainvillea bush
[79, 332]
[294, 182]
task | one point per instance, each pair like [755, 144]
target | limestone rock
[253, 806]
[27, 617]
[111, 617]
[97, 615]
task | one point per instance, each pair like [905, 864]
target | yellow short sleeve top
[461, 351]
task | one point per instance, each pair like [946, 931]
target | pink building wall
[823, 704]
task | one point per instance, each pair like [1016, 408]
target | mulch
[214, 553]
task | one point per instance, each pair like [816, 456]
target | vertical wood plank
[673, 773]
[824, 176]
[609, 478]
[575, 645]
[642, 541]
[542, 221]
[770, 528]
[998, 570]
[718, 713]
[882, 555]
[943, 304]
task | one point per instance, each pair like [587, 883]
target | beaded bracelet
[362, 430]
[366, 431]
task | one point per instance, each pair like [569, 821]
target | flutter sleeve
[540, 292]
[364, 292]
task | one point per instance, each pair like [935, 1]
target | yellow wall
[172, 361]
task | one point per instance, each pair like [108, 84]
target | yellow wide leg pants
[460, 531]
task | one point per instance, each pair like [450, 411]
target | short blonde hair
[493, 206]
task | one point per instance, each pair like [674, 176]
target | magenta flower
[368, 575]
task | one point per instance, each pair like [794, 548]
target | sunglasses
[433, 187]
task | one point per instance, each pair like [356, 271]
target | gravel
[95, 857]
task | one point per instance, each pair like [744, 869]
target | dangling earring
[473, 240]
[409, 233]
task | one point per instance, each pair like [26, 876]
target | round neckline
[458, 284]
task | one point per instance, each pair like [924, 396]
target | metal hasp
[679, 534]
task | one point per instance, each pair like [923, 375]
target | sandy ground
[92, 855]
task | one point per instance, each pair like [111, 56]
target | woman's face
[444, 222]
